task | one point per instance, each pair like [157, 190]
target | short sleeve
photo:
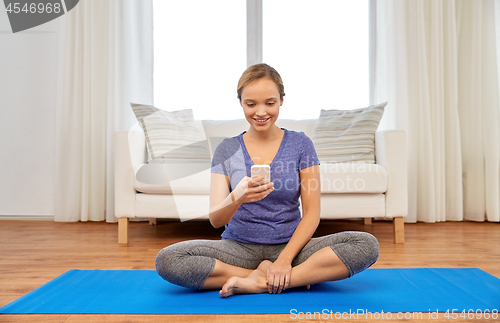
[308, 156]
[219, 164]
[223, 154]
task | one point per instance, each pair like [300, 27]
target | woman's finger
[263, 188]
[282, 284]
[270, 284]
[277, 284]
[255, 180]
[287, 281]
[259, 192]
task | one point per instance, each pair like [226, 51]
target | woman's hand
[246, 192]
[278, 276]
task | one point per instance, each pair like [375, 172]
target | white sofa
[349, 190]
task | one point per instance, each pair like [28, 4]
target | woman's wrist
[285, 258]
[234, 199]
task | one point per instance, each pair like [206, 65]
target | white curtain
[106, 62]
[436, 63]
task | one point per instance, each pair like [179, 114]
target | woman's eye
[250, 104]
[271, 103]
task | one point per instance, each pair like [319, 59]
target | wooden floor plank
[33, 253]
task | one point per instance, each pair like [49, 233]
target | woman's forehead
[259, 89]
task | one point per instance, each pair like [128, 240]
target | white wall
[28, 85]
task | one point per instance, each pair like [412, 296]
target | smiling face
[261, 103]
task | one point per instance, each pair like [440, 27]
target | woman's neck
[271, 134]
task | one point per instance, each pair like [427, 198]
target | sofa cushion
[173, 179]
[171, 136]
[353, 178]
[347, 135]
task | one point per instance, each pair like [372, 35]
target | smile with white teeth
[261, 120]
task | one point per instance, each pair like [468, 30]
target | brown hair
[259, 71]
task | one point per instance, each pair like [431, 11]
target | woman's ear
[281, 103]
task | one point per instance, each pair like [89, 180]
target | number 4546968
[471, 314]
[34, 8]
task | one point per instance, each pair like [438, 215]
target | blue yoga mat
[424, 290]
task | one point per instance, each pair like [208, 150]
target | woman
[267, 244]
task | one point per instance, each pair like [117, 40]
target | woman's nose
[261, 110]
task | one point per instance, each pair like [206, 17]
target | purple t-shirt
[273, 219]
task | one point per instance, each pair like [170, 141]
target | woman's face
[261, 103]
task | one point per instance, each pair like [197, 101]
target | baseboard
[42, 217]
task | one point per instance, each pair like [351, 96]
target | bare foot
[255, 283]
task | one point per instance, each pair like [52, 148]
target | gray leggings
[189, 263]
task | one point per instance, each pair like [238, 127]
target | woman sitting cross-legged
[267, 245]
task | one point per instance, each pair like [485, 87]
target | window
[200, 53]
[320, 48]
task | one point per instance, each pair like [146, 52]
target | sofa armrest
[391, 152]
[130, 148]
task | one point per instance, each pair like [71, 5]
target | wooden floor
[33, 253]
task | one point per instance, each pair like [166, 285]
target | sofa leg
[123, 230]
[368, 221]
[152, 221]
[399, 229]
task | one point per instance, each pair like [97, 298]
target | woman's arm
[223, 205]
[310, 191]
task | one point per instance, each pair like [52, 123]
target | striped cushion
[171, 136]
[347, 135]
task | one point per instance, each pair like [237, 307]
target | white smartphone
[261, 170]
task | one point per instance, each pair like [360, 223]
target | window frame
[254, 32]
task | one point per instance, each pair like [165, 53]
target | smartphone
[261, 170]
